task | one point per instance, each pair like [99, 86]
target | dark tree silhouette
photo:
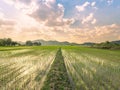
[29, 43]
[7, 42]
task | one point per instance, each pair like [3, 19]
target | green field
[55, 68]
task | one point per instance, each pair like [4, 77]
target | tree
[2, 42]
[36, 43]
[8, 41]
[5, 42]
[14, 43]
[29, 43]
[107, 42]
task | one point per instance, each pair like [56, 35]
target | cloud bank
[45, 19]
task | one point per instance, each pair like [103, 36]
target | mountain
[51, 42]
[88, 43]
[117, 42]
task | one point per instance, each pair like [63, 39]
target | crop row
[24, 71]
[90, 72]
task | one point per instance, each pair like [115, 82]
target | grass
[93, 69]
[50, 68]
[57, 78]
[24, 68]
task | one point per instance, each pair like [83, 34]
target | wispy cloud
[82, 7]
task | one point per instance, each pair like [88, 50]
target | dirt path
[57, 78]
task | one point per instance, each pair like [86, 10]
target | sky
[62, 20]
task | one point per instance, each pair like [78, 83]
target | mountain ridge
[54, 42]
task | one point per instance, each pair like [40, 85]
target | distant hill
[108, 45]
[117, 42]
[92, 43]
[51, 42]
[88, 43]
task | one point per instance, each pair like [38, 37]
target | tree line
[10, 42]
[7, 42]
[107, 45]
[30, 43]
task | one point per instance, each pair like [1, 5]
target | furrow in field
[57, 78]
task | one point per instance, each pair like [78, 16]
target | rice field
[93, 69]
[51, 68]
[25, 68]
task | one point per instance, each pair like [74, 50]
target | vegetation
[93, 69]
[30, 43]
[50, 68]
[24, 68]
[7, 42]
[107, 45]
[57, 78]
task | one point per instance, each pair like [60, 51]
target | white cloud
[86, 4]
[110, 2]
[52, 15]
[46, 21]
[93, 4]
[26, 9]
[25, 6]
[82, 7]
[93, 21]
[10, 2]
[96, 34]
[47, 11]
[89, 19]
[50, 1]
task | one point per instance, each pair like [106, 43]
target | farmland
[93, 69]
[51, 68]
[24, 68]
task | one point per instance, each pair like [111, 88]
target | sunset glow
[62, 20]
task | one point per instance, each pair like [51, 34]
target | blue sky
[63, 20]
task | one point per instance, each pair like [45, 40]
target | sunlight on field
[91, 72]
[23, 69]
[29, 68]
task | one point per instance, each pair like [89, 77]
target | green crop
[51, 68]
